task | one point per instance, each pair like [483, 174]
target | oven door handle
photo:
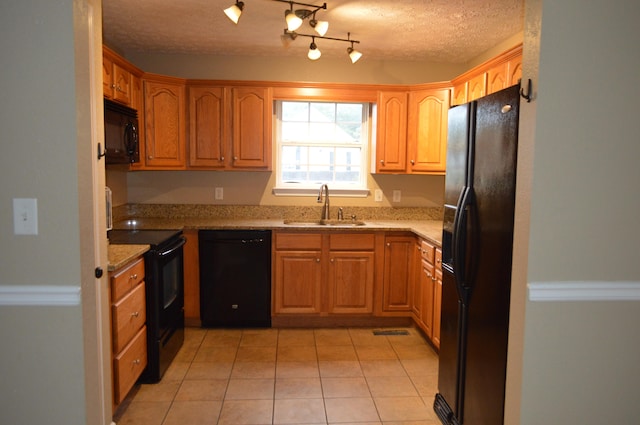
[170, 250]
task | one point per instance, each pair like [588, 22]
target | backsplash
[271, 212]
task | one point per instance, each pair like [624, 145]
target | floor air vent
[391, 332]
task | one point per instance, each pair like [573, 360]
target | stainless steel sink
[341, 223]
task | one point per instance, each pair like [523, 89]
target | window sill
[339, 192]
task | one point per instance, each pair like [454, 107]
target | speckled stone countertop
[428, 229]
[120, 255]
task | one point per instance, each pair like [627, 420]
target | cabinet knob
[317, 260]
[221, 158]
[332, 260]
[412, 162]
[235, 158]
[388, 244]
[382, 161]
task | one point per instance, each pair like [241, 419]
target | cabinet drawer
[129, 364]
[428, 251]
[128, 316]
[299, 241]
[126, 279]
[351, 241]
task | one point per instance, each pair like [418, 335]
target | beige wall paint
[579, 361]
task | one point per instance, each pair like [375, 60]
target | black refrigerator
[477, 244]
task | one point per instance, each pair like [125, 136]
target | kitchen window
[321, 142]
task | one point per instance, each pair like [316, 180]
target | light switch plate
[397, 196]
[378, 195]
[25, 216]
[219, 193]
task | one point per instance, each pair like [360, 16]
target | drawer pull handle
[133, 276]
[136, 362]
[135, 314]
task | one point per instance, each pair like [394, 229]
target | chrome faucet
[325, 207]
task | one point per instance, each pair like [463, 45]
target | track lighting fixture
[234, 12]
[294, 20]
[314, 52]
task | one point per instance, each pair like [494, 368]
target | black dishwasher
[235, 278]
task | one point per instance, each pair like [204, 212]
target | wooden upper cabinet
[427, 131]
[391, 144]
[207, 127]
[497, 78]
[119, 79]
[515, 70]
[107, 77]
[251, 127]
[459, 94]
[121, 84]
[165, 128]
[477, 87]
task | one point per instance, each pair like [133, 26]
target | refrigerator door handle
[461, 239]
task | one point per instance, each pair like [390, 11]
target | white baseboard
[584, 291]
[39, 295]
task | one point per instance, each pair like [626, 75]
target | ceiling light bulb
[293, 21]
[234, 11]
[314, 52]
[354, 54]
[321, 27]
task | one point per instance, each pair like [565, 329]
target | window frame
[303, 189]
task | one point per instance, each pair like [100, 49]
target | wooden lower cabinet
[323, 273]
[128, 329]
[430, 284]
[398, 274]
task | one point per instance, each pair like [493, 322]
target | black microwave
[120, 133]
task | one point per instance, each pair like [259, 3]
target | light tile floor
[291, 376]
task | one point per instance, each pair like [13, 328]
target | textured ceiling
[451, 31]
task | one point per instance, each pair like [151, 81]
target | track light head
[354, 55]
[314, 52]
[321, 27]
[234, 12]
[293, 20]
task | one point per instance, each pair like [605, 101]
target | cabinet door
[122, 84]
[298, 279]
[251, 122]
[497, 78]
[459, 94]
[391, 143]
[207, 127]
[427, 132]
[477, 87]
[437, 302]
[416, 296]
[398, 263]
[515, 70]
[107, 77]
[351, 282]
[164, 125]
[427, 283]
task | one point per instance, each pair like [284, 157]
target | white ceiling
[449, 31]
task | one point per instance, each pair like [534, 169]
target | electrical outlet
[397, 196]
[25, 216]
[378, 195]
[219, 194]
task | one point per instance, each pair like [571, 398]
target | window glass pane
[349, 112]
[295, 111]
[347, 174]
[295, 131]
[321, 132]
[323, 112]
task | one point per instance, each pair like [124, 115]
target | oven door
[170, 289]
